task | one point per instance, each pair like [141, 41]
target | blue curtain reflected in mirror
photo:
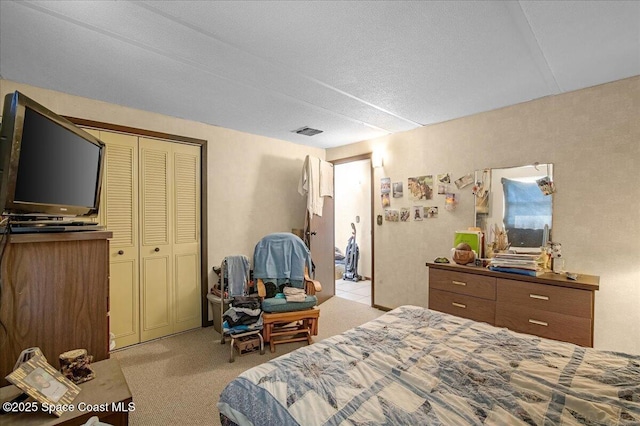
[526, 212]
[509, 199]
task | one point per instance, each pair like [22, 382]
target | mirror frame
[489, 197]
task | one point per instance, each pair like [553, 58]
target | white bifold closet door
[119, 214]
[151, 198]
[169, 237]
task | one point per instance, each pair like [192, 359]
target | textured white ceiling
[356, 70]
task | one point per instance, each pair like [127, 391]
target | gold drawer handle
[537, 296]
[536, 322]
[459, 305]
[458, 283]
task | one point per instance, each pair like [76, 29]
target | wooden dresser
[55, 295]
[550, 305]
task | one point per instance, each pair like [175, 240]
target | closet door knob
[157, 249]
[120, 252]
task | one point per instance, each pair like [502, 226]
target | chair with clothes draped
[243, 318]
[281, 265]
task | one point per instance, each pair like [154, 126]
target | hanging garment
[326, 179]
[309, 185]
[238, 273]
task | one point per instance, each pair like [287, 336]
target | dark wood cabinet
[55, 295]
[550, 305]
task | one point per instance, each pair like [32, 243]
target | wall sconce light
[376, 160]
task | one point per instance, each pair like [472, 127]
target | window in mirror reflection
[526, 212]
[510, 198]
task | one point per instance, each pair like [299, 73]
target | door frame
[366, 156]
[204, 277]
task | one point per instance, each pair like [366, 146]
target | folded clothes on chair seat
[273, 287]
[293, 294]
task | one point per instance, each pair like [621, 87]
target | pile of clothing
[244, 314]
[293, 294]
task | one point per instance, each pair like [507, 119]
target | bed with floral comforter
[413, 366]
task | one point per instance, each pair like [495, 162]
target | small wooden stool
[278, 327]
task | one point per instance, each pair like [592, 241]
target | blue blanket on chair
[281, 255]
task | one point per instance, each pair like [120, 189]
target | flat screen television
[50, 168]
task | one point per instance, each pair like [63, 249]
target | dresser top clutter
[583, 281]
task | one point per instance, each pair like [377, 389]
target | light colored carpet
[178, 379]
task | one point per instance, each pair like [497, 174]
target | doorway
[353, 230]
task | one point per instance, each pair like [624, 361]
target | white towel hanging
[326, 179]
[309, 185]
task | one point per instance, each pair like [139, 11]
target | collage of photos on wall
[432, 191]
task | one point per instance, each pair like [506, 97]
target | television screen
[50, 167]
[55, 166]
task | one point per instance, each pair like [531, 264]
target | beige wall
[252, 180]
[592, 137]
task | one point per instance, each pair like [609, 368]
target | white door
[321, 231]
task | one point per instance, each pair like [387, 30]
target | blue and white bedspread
[413, 366]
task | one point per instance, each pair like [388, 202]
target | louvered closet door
[119, 214]
[186, 236]
[156, 257]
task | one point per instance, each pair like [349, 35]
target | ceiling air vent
[307, 131]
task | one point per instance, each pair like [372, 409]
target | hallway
[357, 291]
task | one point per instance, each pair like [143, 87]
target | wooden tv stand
[550, 305]
[55, 295]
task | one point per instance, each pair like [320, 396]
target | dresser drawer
[551, 325]
[463, 283]
[568, 301]
[463, 306]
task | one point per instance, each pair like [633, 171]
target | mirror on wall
[514, 200]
